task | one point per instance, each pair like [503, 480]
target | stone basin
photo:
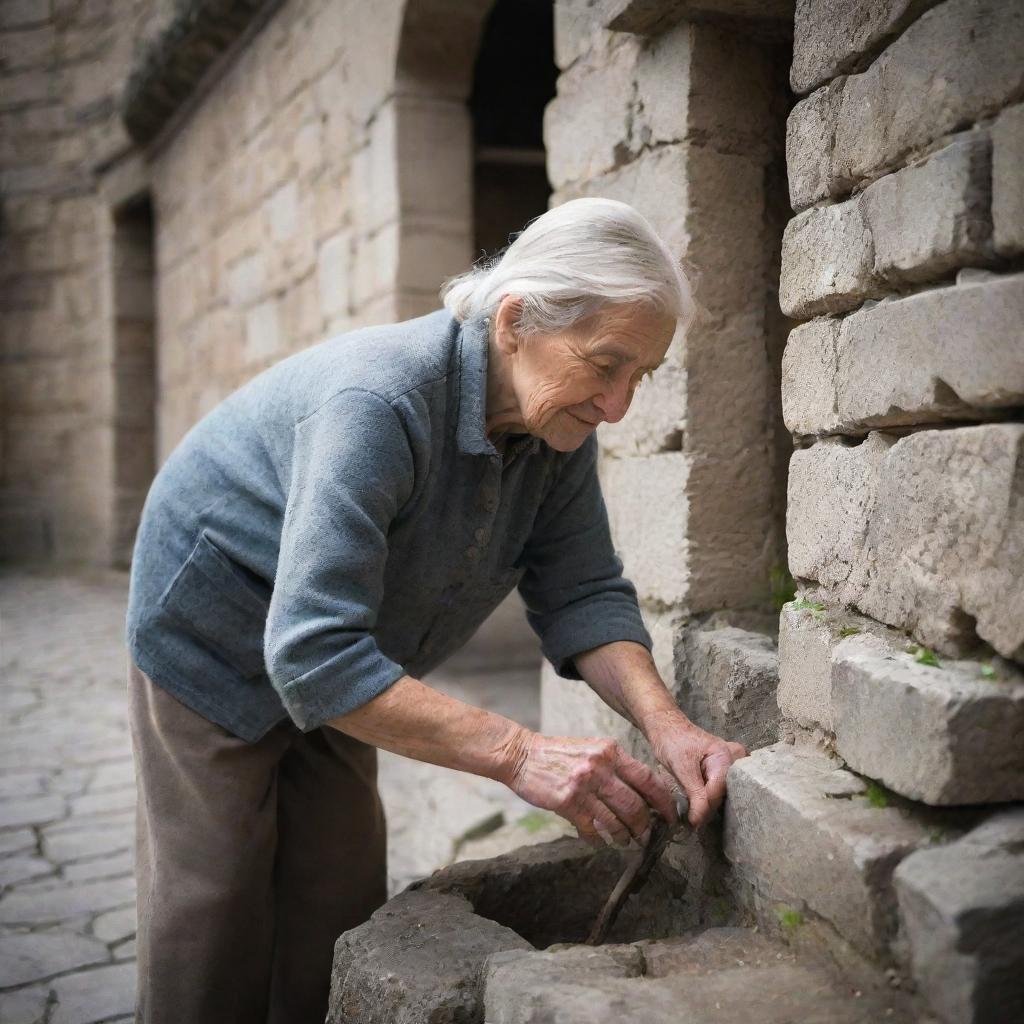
[499, 940]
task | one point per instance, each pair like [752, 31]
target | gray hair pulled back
[569, 263]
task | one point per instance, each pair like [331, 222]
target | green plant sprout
[849, 631]
[924, 655]
[876, 794]
[987, 671]
[789, 918]
[816, 608]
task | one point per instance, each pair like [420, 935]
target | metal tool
[638, 869]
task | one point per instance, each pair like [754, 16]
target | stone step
[806, 840]
[937, 730]
[728, 975]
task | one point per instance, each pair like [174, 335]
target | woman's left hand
[697, 759]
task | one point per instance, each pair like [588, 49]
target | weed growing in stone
[849, 631]
[987, 671]
[876, 794]
[816, 608]
[924, 655]
[789, 918]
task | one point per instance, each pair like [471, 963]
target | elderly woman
[334, 530]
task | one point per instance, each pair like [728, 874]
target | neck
[502, 415]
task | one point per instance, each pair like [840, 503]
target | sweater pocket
[210, 597]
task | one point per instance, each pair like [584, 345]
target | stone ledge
[926, 84]
[943, 735]
[800, 832]
[648, 17]
[899, 363]
[170, 68]
[923, 532]
[961, 911]
[912, 226]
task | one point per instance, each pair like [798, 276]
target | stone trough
[500, 941]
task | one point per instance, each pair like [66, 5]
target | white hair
[569, 263]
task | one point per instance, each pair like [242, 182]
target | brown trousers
[251, 859]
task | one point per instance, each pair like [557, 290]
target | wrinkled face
[566, 384]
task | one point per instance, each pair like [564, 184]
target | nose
[614, 402]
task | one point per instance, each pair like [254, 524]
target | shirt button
[472, 553]
[479, 535]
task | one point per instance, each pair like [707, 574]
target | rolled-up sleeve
[351, 472]
[575, 594]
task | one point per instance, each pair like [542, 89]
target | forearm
[624, 676]
[414, 720]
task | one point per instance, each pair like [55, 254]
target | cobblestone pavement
[67, 916]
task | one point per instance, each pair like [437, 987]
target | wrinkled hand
[594, 784]
[697, 759]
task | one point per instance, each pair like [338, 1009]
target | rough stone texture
[175, 60]
[727, 684]
[647, 508]
[800, 833]
[941, 735]
[1008, 181]
[925, 84]
[900, 363]
[727, 975]
[415, 961]
[552, 892]
[836, 38]
[572, 986]
[962, 912]
[917, 224]
[923, 533]
[805, 668]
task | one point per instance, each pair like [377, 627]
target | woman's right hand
[592, 783]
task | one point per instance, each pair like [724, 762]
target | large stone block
[783, 800]
[831, 39]
[587, 125]
[961, 911]
[926, 83]
[1008, 181]
[917, 224]
[727, 684]
[946, 354]
[647, 508]
[942, 734]
[409, 963]
[923, 532]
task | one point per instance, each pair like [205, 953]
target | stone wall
[62, 67]
[685, 122]
[900, 659]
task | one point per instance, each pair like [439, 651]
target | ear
[506, 323]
